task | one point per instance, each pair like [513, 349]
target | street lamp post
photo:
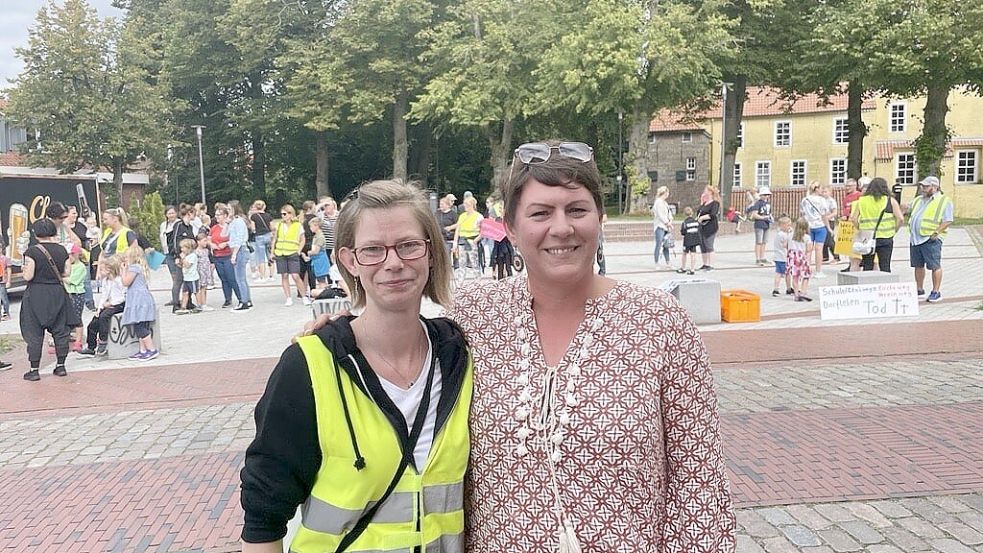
[201, 162]
[621, 161]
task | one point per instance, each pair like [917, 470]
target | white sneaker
[290, 301]
[307, 300]
[255, 276]
[207, 308]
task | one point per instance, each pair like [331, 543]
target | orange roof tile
[11, 159]
[885, 148]
[667, 121]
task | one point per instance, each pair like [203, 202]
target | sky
[16, 17]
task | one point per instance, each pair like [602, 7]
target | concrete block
[330, 306]
[866, 277]
[123, 343]
[700, 297]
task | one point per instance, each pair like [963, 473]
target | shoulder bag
[865, 243]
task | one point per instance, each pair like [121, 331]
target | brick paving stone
[963, 533]
[839, 540]
[920, 527]
[779, 545]
[905, 539]
[889, 508]
[869, 514]
[747, 545]
[950, 546]
[800, 535]
[862, 532]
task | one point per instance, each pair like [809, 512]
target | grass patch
[967, 221]
[9, 342]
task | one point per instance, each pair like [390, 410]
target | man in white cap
[760, 213]
[930, 216]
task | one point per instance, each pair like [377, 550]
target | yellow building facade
[792, 145]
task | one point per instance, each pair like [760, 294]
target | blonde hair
[192, 245]
[801, 229]
[714, 192]
[387, 194]
[470, 202]
[134, 255]
[110, 266]
[814, 187]
[260, 205]
[662, 191]
[688, 211]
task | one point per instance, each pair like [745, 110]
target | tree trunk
[400, 144]
[321, 164]
[734, 114]
[930, 146]
[259, 163]
[857, 129]
[419, 163]
[501, 151]
[638, 152]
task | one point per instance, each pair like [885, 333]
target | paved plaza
[839, 435]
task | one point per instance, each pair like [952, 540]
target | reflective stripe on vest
[285, 245]
[424, 509]
[929, 225]
[121, 243]
[870, 210]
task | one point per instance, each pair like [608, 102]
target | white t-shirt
[408, 401]
[813, 208]
[190, 272]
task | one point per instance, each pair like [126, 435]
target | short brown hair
[556, 171]
[384, 194]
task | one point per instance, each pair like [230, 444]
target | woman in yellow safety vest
[468, 229]
[116, 237]
[365, 423]
[878, 214]
[288, 240]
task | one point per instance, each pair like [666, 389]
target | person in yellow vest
[466, 235]
[365, 423]
[288, 240]
[930, 215]
[116, 237]
[877, 214]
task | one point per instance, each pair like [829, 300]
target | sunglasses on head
[540, 152]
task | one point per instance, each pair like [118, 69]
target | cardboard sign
[845, 234]
[491, 228]
[868, 301]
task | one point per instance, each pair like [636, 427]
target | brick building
[678, 158]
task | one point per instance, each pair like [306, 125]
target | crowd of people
[805, 242]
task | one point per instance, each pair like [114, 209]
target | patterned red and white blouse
[639, 467]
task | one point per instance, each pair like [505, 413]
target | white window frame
[837, 138]
[775, 134]
[690, 169]
[805, 172]
[758, 173]
[837, 178]
[975, 168]
[740, 135]
[738, 173]
[687, 137]
[907, 181]
[652, 138]
[902, 122]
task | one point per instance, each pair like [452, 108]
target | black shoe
[244, 306]
[775, 293]
[5, 366]
[789, 292]
[32, 375]
[845, 269]
[805, 298]
[690, 272]
[170, 304]
[227, 304]
[703, 268]
[60, 370]
[175, 308]
[87, 352]
[707, 268]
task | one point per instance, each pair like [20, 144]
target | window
[740, 135]
[898, 117]
[799, 173]
[841, 131]
[762, 174]
[651, 138]
[687, 137]
[837, 171]
[966, 167]
[691, 169]
[783, 134]
[737, 174]
[906, 169]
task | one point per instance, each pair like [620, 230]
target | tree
[149, 213]
[636, 57]
[87, 89]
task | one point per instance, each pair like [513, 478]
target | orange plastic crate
[740, 306]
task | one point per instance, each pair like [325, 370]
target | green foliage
[148, 213]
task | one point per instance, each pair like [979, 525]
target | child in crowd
[317, 256]
[189, 269]
[112, 300]
[141, 310]
[800, 251]
[75, 285]
[4, 281]
[691, 239]
[782, 238]
[205, 277]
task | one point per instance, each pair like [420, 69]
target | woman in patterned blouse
[594, 421]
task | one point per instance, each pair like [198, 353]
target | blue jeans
[89, 300]
[227, 274]
[241, 271]
[262, 254]
[661, 244]
[4, 299]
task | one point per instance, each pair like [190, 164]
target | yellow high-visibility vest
[121, 243]
[288, 238]
[425, 509]
[870, 210]
[932, 215]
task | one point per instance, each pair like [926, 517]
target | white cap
[764, 190]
